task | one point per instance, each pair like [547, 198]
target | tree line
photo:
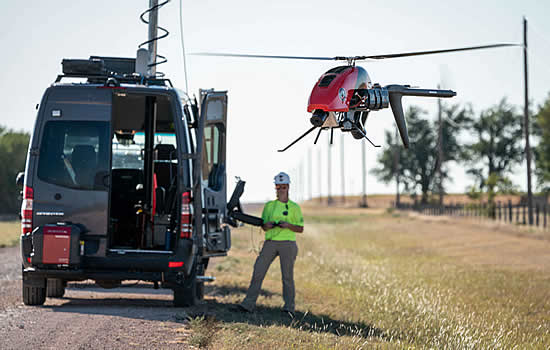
[488, 145]
[13, 154]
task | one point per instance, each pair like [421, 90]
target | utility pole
[309, 175]
[440, 151]
[364, 163]
[302, 180]
[526, 122]
[320, 182]
[396, 167]
[342, 166]
[329, 198]
[153, 22]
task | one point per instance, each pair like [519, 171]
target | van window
[128, 155]
[211, 150]
[74, 153]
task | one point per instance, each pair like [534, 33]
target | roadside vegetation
[369, 279]
[9, 233]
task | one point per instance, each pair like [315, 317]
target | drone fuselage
[334, 89]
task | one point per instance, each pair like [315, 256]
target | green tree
[498, 144]
[418, 165]
[542, 151]
[13, 153]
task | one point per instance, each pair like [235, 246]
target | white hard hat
[282, 178]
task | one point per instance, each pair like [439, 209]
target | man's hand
[295, 228]
[268, 225]
[284, 224]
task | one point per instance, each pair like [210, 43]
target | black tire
[200, 290]
[33, 294]
[55, 287]
[200, 285]
[186, 295]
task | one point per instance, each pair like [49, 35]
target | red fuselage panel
[334, 89]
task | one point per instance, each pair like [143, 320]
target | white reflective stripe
[50, 213]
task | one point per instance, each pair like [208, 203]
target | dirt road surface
[135, 316]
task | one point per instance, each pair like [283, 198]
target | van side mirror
[20, 179]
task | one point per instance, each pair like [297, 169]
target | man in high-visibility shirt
[282, 219]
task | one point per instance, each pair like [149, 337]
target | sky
[268, 98]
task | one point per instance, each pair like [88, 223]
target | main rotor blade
[263, 56]
[420, 53]
[356, 58]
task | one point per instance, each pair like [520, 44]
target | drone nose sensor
[318, 117]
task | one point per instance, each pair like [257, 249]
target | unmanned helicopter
[343, 96]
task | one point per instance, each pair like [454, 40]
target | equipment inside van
[125, 180]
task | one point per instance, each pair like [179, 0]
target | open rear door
[213, 115]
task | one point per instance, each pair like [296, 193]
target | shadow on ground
[158, 307]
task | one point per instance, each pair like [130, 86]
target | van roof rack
[102, 70]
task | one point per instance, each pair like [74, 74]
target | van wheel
[186, 295]
[55, 287]
[200, 284]
[200, 290]
[33, 294]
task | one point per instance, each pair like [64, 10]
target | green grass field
[368, 279]
[9, 233]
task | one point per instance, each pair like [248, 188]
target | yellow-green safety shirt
[274, 212]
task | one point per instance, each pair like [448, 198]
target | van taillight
[186, 215]
[26, 211]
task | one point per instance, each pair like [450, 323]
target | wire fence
[497, 211]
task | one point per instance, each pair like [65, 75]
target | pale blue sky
[268, 98]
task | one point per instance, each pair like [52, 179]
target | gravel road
[135, 316]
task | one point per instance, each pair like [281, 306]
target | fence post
[523, 214]
[537, 211]
[510, 214]
[545, 205]
[499, 211]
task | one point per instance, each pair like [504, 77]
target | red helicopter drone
[343, 96]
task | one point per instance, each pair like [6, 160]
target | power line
[183, 46]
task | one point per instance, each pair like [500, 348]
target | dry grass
[367, 279]
[9, 233]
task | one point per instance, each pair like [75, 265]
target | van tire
[200, 290]
[200, 284]
[186, 295]
[55, 287]
[33, 295]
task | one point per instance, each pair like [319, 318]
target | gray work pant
[287, 252]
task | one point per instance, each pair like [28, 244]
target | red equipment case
[57, 244]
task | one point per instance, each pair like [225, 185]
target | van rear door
[213, 115]
[71, 180]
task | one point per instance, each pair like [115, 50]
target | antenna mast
[153, 22]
